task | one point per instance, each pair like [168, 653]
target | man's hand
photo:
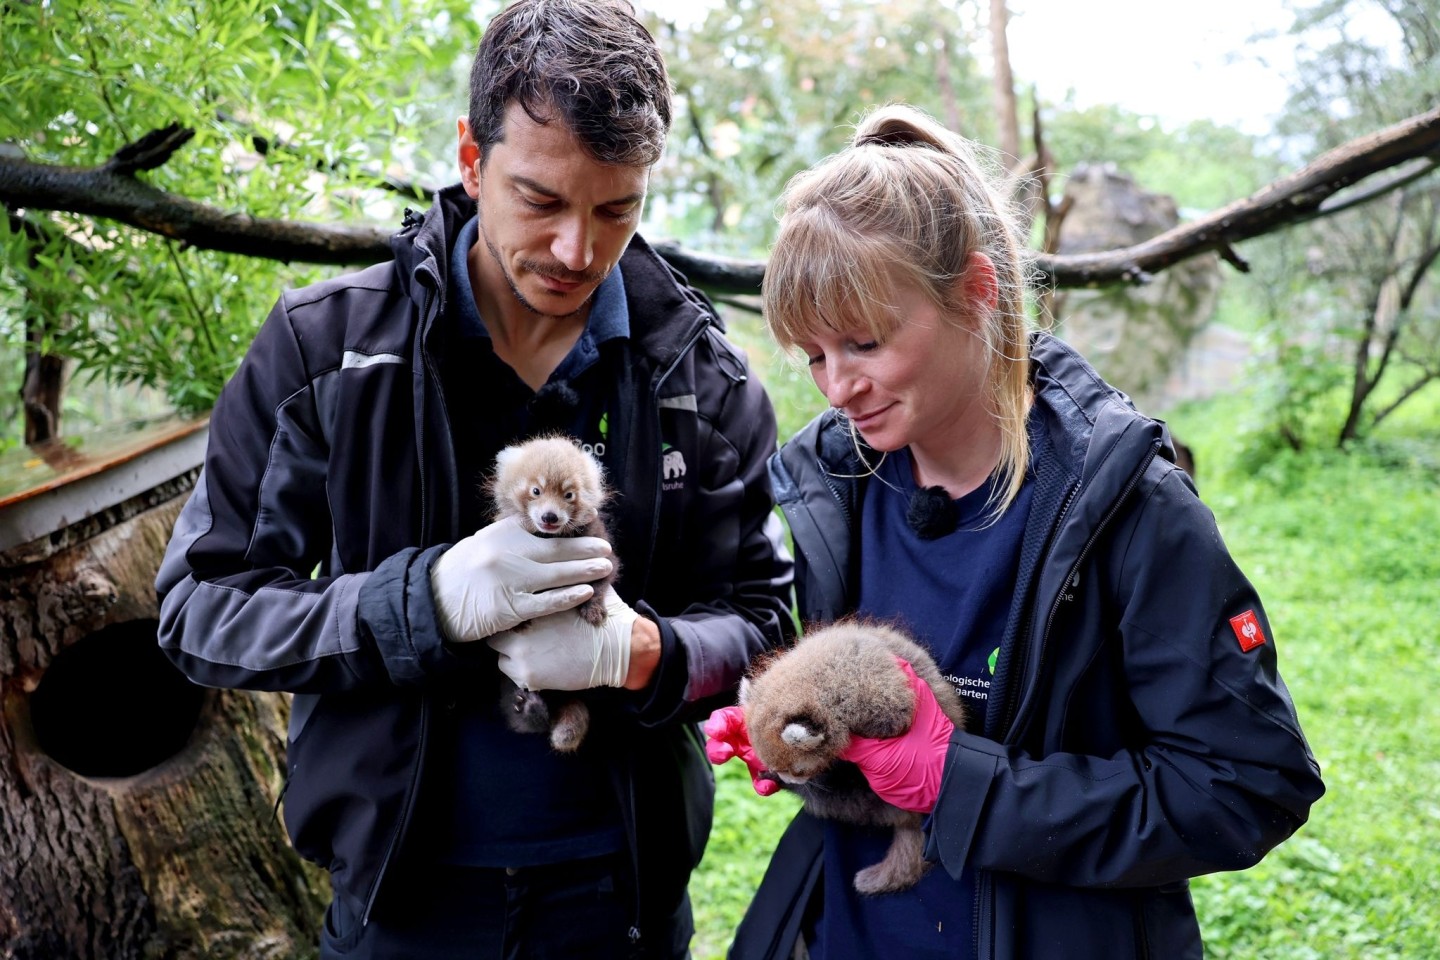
[727, 737]
[563, 652]
[906, 770]
[502, 576]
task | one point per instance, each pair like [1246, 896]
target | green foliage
[299, 110]
[1202, 165]
[766, 89]
[1352, 299]
[1341, 546]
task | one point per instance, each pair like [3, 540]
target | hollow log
[138, 809]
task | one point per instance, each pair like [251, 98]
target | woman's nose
[840, 384]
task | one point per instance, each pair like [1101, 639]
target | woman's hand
[906, 770]
[728, 737]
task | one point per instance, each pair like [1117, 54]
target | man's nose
[574, 244]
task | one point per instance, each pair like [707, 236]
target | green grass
[1344, 547]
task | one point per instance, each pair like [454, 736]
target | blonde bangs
[825, 276]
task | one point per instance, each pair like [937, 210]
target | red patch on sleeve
[1247, 631]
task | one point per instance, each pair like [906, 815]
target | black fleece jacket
[330, 448]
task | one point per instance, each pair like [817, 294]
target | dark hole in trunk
[111, 705]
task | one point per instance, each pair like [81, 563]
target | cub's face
[552, 507]
[550, 483]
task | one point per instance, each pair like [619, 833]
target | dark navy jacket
[330, 450]
[1130, 742]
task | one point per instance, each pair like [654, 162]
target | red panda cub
[557, 490]
[804, 704]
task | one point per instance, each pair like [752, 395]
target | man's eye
[540, 206]
[618, 213]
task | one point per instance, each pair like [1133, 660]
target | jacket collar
[665, 311]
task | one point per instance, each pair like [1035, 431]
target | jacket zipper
[984, 883]
[634, 934]
[424, 701]
[404, 812]
[1080, 560]
[1012, 704]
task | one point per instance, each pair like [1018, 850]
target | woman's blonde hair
[905, 204]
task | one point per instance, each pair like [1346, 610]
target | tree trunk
[1007, 116]
[138, 808]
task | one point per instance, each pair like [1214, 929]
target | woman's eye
[812, 361]
[866, 347]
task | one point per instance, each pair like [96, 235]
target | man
[353, 442]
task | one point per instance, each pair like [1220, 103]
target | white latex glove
[502, 575]
[563, 652]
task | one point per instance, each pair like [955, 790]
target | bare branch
[1283, 203]
[1410, 391]
[112, 191]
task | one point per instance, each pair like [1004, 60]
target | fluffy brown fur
[802, 707]
[557, 490]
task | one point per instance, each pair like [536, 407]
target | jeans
[579, 909]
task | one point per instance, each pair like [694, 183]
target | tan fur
[802, 707]
[557, 490]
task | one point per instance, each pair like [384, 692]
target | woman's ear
[979, 284]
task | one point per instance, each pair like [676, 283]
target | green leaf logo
[994, 658]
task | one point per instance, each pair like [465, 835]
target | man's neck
[531, 344]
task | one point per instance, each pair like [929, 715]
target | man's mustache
[556, 271]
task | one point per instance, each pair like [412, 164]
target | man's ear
[469, 156]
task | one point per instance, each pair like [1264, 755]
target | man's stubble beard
[515, 290]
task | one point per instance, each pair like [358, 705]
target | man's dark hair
[588, 63]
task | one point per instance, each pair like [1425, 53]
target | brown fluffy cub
[557, 490]
[803, 705]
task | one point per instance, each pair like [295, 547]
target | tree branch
[111, 190]
[1285, 202]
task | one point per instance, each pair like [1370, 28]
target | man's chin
[541, 299]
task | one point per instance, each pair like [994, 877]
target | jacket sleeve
[1218, 772]
[740, 573]
[239, 606]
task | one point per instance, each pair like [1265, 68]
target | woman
[983, 488]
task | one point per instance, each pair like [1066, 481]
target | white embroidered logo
[674, 464]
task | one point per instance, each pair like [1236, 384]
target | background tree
[300, 108]
[765, 89]
[1353, 300]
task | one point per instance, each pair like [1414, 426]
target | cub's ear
[744, 695]
[798, 733]
[506, 457]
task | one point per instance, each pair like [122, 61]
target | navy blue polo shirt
[952, 595]
[493, 797]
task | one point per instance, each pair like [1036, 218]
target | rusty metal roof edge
[59, 506]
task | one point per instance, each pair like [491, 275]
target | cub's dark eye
[534, 491]
[569, 494]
